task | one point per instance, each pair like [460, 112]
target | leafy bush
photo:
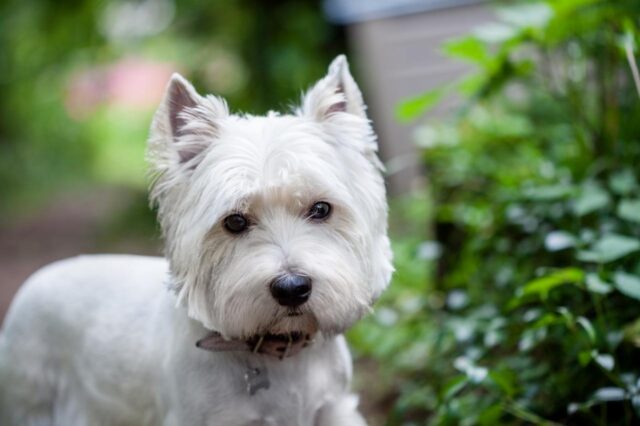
[531, 314]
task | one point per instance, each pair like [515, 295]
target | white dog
[276, 243]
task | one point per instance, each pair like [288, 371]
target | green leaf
[475, 373]
[590, 199]
[433, 136]
[585, 357]
[567, 8]
[470, 84]
[605, 361]
[491, 415]
[632, 332]
[549, 192]
[523, 413]
[627, 40]
[412, 108]
[574, 407]
[627, 284]
[559, 240]
[635, 401]
[454, 386]
[542, 286]
[623, 182]
[495, 32]
[505, 379]
[586, 324]
[530, 338]
[469, 48]
[596, 285]
[566, 315]
[609, 394]
[629, 210]
[609, 248]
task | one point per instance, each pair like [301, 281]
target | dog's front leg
[340, 412]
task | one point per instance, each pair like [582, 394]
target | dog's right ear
[335, 101]
[181, 98]
[184, 125]
[336, 92]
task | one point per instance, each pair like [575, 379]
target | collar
[277, 345]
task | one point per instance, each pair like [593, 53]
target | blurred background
[511, 136]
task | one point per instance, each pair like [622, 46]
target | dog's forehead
[274, 136]
[273, 151]
[258, 155]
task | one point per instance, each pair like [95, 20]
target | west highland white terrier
[276, 243]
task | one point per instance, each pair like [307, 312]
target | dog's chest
[287, 392]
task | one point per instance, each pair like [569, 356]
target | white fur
[99, 341]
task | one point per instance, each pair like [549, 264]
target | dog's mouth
[278, 345]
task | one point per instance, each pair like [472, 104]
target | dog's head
[273, 224]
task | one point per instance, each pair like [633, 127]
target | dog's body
[135, 361]
[276, 243]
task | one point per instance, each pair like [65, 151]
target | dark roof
[350, 11]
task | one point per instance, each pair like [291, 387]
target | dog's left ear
[337, 92]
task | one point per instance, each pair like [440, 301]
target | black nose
[291, 290]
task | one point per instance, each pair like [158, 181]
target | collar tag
[256, 379]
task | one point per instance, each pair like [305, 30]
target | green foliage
[530, 313]
[256, 54]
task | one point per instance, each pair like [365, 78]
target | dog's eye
[236, 223]
[320, 210]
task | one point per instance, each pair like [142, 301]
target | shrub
[529, 311]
